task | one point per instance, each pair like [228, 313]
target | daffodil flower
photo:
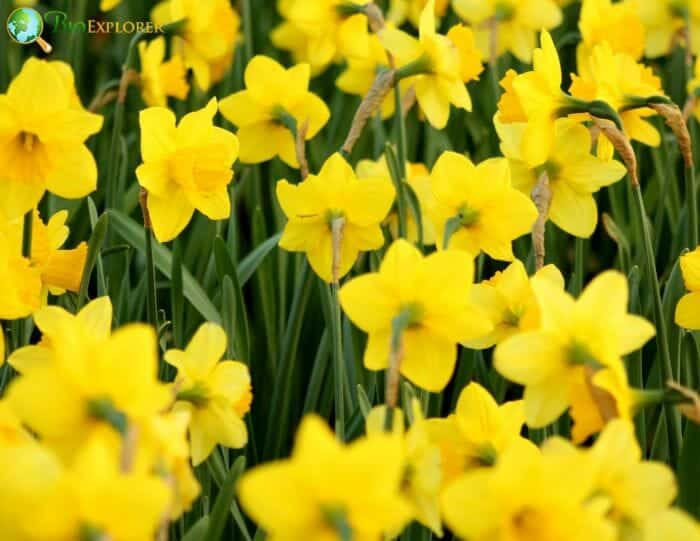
[590, 333]
[535, 97]
[263, 114]
[87, 383]
[688, 308]
[508, 25]
[509, 302]
[217, 394]
[616, 79]
[208, 39]
[89, 495]
[160, 79]
[431, 295]
[617, 23]
[477, 433]
[476, 209]
[574, 174]
[526, 496]
[60, 269]
[185, 167]
[664, 20]
[319, 32]
[327, 490]
[334, 195]
[437, 66]
[42, 138]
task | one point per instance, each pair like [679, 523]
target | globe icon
[25, 25]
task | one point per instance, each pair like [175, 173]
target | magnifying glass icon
[25, 26]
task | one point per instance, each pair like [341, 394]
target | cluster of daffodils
[108, 450]
[106, 430]
[471, 472]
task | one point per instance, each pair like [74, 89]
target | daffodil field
[353, 270]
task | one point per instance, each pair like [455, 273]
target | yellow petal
[157, 133]
[368, 303]
[576, 213]
[74, 171]
[688, 311]
[428, 359]
[206, 348]
[242, 109]
[529, 357]
[169, 215]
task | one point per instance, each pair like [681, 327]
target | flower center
[579, 354]
[28, 140]
[504, 11]
[467, 216]
[551, 168]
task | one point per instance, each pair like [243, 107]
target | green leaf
[101, 283]
[232, 304]
[133, 234]
[95, 243]
[252, 261]
[227, 490]
[689, 471]
[198, 530]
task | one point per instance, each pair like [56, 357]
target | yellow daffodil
[477, 433]
[423, 477]
[87, 382]
[43, 129]
[688, 308]
[60, 269]
[509, 302]
[634, 488]
[536, 98]
[262, 113]
[590, 333]
[94, 321]
[665, 20]
[160, 79]
[208, 38]
[442, 65]
[318, 32]
[574, 174]
[185, 168]
[334, 196]
[508, 25]
[21, 285]
[359, 76]
[526, 497]
[418, 178]
[617, 23]
[402, 10]
[431, 296]
[92, 495]
[614, 78]
[479, 205]
[326, 488]
[217, 394]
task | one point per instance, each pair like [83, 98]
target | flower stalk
[151, 298]
[337, 226]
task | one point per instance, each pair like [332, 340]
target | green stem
[579, 266]
[117, 123]
[338, 363]
[247, 30]
[692, 196]
[151, 299]
[672, 416]
[401, 141]
[27, 234]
